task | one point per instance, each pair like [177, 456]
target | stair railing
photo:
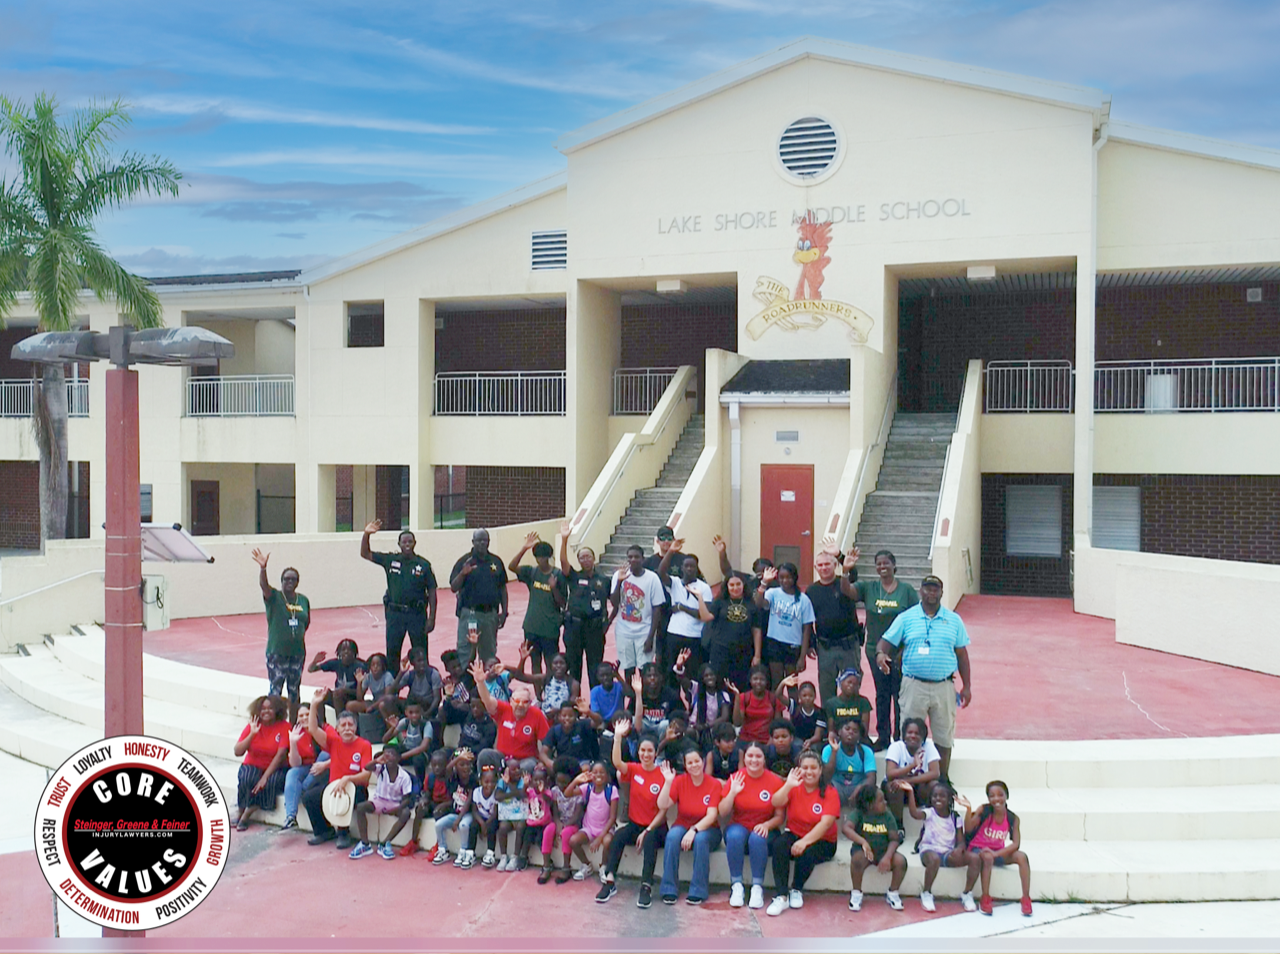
[957, 522]
[849, 509]
[634, 465]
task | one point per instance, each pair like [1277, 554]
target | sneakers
[855, 900]
[489, 860]
[795, 899]
[757, 896]
[522, 863]
[507, 863]
[646, 896]
[386, 852]
[1026, 907]
[985, 904]
[893, 899]
[442, 856]
[466, 859]
[362, 850]
[410, 848]
[670, 899]
[777, 906]
[430, 855]
[607, 891]
[290, 824]
[690, 899]
[737, 895]
[583, 873]
[926, 901]
[967, 900]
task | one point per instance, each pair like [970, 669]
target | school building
[829, 293]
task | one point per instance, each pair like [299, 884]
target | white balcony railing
[637, 390]
[16, 397]
[241, 395]
[1027, 386]
[1189, 384]
[512, 393]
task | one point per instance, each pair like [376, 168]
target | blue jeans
[297, 781]
[446, 822]
[740, 840]
[704, 842]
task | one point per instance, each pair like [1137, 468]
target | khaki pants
[934, 701]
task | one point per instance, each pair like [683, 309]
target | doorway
[786, 515]
[205, 508]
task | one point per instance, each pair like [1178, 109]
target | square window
[1033, 520]
[365, 324]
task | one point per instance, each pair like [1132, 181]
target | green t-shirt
[882, 607]
[839, 711]
[543, 617]
[876, 830]
[408, 578]
[287, 624]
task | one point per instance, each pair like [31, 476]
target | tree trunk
[50, 413]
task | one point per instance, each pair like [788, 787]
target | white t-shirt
[640, 594]
[897, 754]
[681, 623]
[385, 788]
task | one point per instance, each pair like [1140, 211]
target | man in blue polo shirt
[934, 644]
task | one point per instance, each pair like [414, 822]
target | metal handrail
[240, 395]
[649, 382]
[500, 393]
[50, 586]
[1028, 386]
[17, 397]
[1188, 384]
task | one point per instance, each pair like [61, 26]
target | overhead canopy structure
[163, 543]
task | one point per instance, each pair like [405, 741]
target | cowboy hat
[339, 800]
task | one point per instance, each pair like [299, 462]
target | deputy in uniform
[480, 580]
[410, 601]
[587, 615]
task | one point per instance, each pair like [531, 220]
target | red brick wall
[20, 504]
[1187, 321]
[531, 340]
[389, 500]
[1020, 575]
[1216, 516]
[667, 336]
[442, 479]
[343, 478]
[497, 496]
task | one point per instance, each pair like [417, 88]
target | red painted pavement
[1040, 670]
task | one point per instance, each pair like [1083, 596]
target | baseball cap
[666, 533]
[931, 581]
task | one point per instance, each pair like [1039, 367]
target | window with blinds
[1117, 518]
[1033, 520]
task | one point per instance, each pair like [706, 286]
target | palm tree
[64, 179]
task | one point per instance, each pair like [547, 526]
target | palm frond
[55, 280]
[131, 175]
[92, 128]
[108, 278]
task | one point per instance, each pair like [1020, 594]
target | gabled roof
[231, 278]
[1172, 141]
[1026, 87]
[436, 227]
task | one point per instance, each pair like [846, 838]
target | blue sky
[306, 131]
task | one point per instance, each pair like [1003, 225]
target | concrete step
[167, 680]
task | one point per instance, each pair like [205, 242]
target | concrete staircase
[900, 512]
[1113, 820]
[650, 509]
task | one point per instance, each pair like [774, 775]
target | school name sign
[758, 220]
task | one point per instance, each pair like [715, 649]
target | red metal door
[786, 516]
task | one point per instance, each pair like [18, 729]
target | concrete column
[593, 348]
[364, 495]
[1086, 292]
[422, 485]
[322, 504]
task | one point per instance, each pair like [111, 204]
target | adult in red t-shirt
[264, 745]
[349, 757]
[747, 799]
[304, 771]
[696, 795]
[809, 838]
[646, 826]
[520, 723]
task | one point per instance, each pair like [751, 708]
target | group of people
[702, 732]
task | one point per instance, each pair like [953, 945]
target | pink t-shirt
[596, 816]
[990, 834]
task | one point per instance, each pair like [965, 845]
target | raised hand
[319, 658]
[637, 682]
[468, 567]
[681, 658]
[582, 705]
[531, 538]
[624, 572]
[769, 575]
[526, 650]
[792, 680]
[964, 803]
[668, 772]
[473, 636]
[795, 777]
[297, 732]
[477, 669]
[260, 558]
[678, 545]
[622, 727]
[719, 543]
[564, 529]
[318, 697]
[737, 782]
[255, 726]
[829, 544]
[373, 526]
[728, 684]
[851, 560]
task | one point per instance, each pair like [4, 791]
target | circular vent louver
[808, 147]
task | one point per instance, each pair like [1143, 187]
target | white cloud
[195, 106]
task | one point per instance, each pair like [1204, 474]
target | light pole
[124, 347]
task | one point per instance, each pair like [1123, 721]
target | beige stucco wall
[1027, 443]
[824, 443]
[237, 497]
[1238, 443]
[623, 424]
[1162, 209]
[501, 441]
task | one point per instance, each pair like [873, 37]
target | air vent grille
[808, 147]
[550, 250]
